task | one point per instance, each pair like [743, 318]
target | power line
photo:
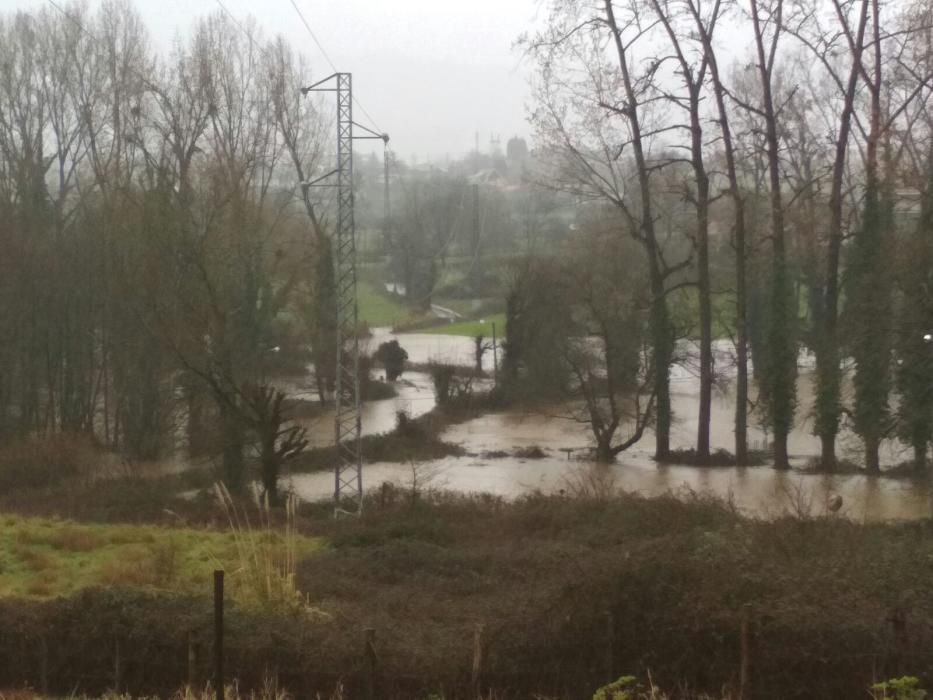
[314, 36]
[333, 67]
[243, 30]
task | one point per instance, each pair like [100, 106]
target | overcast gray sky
[432, 73]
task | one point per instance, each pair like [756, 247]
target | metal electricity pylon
[348, 471]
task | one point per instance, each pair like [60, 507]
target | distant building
[487, 176]
[516, 151]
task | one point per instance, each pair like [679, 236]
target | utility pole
[348, 471]
[386, 231]
[475, 221]
[495, 356]
[474, 276]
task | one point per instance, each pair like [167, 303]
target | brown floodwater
[755, 491]
[415, 398]
[758, 491]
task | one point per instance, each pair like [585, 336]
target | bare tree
[692, 70]
[590, 124]
[301, 122]
[781, 373]
[805, 24]
[704, 27]
[608, 354]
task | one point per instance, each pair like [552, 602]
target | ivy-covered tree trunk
[662, 337]
[514, 334]
[915, 322]
[782, 374]
[869, 313]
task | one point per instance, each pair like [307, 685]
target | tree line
[157, 265]
[798, 132]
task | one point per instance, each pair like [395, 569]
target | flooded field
[760, 491]
[756, 491]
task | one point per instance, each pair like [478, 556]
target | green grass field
[377, 309]
[43, 558]
[472, 329]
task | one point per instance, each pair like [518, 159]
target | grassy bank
[377, 308]
[43, 558]
[471, 328]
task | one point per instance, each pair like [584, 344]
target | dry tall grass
[266, 560]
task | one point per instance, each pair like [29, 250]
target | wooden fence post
[476, 677]
[610, 657]
[369, 660]
[219, 633]
[192, 662]
[117, 675]
[44, 665]
[744, 651]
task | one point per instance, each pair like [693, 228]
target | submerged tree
[607, 351]
[869, 314]
[393, 357]
[538, 316]
[693, 66]
[915, 335]
[596, 120]
[704, 30]
[279, 441]
[781, 372]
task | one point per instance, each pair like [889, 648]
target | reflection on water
[415, 397]
[423, 348]
[759, 491]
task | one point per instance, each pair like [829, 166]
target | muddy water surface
[758, 491]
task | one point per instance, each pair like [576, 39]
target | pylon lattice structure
[348, 472]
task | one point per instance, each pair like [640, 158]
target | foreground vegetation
[564, 594]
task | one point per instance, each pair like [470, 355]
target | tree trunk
[741, 343]
[233, 443]
[828, 451]
[783, 370]
[781, 460]
[706, 308]
[270, 469]
[920, 457]
[660, 322]
[872, 445]
[604, 450]
[662, 351]
[828, 403]
[741, 301]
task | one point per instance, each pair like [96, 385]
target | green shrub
[620, 689]
[903, 688]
